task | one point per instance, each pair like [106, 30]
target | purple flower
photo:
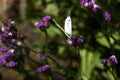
[9, 34]
[13, 41]
[3, 49]
[8, 54]
[79, 40]
[113, 59]
[90, 4]
[82, 2]
[6, 28]
[12, 33]
[74, 40]
[11, 64]
[2, 61]
[42, 56]
[69, 41]
[11, 22]
[5, 34]
[96, 8]
[44, 22]
[43, 68]
[21, 37]
[39, 24]
[107, 16]
[46, 18]
[105, 61]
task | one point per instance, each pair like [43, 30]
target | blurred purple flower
[96, 8]
[11, 64]
[10, 39]
[21, 37]
[42, 56]
[44, 22]
[82, 2]
[111, 59]
[2, 60]
[39, 24]
[79, 40]
[90, 4]
[13, 33]
[5, 34]
[46, 18]
[8, 54]
[3, 49]
[43, 68]
[107, 16]
[105, 61]
[74, 40]
[13, 41]
[4, 29]
[69, 41]
[11, 22]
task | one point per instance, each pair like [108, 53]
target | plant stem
[46, 40]
[111, 71]
[46, 51]
[78, 54]
[79, 61]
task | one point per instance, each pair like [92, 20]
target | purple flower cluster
[111, 59]
[74, 40]
[9, 35]
[5, 55]
[11, 64]
[90, 4]
[8, 31]
[43, 68]
[107, 16]
[44, 22]
[10, 40]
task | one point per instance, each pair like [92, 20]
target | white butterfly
[67, 26]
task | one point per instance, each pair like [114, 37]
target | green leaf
[102, 39]
[89, 60]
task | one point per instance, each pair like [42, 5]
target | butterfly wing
[68, 26]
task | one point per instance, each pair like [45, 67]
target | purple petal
[113, 59]
[96, 8]
[69, 41]
[42, 56]
[43, 68]
[107, 16]
[46, 18]
[39, 24]
[11, 64]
